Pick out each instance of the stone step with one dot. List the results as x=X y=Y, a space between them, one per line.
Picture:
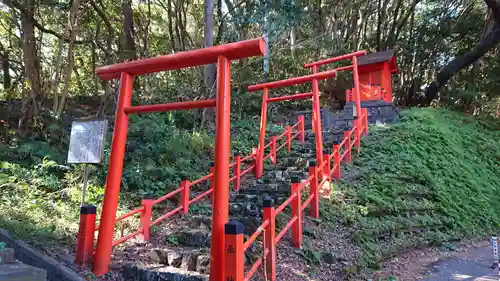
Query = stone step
x=21 y=272
x=165 y=273
x=185 y=259
x=7 y=255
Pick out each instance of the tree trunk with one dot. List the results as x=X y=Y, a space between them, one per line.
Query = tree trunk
x=6 y=70
x=109 y=58
x=458 y=63
x=209 y=72
x=33 y=103
x=71 y=33
x=171 y=26
x=209 y=41
x=128 y=51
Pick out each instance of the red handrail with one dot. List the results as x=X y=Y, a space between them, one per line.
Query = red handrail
x=167 y=215
x=254 y=236
x=247 y=170
x=200 y=196
x=255 y=266
x=127 y=237
x=204 y=178
x=168 y=195
x=285 y=204
x=307 y=202
x=285 y=229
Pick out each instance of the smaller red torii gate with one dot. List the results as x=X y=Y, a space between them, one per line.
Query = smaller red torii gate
x=314 y=78
x=259 y=165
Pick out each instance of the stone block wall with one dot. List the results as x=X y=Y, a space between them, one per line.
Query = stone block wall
x=334 y=122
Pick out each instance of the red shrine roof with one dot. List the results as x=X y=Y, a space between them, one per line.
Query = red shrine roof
x=380 y=57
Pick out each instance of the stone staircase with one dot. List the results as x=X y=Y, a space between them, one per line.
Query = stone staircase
x=189 y=259
x=184 y=253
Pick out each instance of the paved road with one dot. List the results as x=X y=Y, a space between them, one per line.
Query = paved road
x=473 y=265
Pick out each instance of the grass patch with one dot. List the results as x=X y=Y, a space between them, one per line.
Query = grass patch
x=40 y=195
x=432 y=178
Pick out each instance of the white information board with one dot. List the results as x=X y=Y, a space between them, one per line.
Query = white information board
x=86 y=144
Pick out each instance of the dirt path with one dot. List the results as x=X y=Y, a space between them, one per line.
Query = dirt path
x=473 y=264
x=471 y=261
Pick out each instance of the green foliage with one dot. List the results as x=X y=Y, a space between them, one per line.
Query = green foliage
x=430 y=179
x=309 y=253
x=34 y=179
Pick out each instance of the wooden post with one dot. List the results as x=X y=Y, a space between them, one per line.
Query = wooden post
x=313 y=190
x=336 y=159
x=145 y=221
x=237 y=171
x=85 y=246
x=234 y=253
x=255 y=158
x=347 y=145
x=212 y=181
x=301 y=129
x=296 y=212
x=365 y=111
x=185 y=194
x=273 y=149
x=326 y=167
x=357 y=121
x=270 y=236
x=289 y=137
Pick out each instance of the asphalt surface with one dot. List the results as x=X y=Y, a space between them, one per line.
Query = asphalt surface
x=473 y=265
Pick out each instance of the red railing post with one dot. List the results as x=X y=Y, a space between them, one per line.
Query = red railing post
x=273 y=149
x=357 y=121
x=212 y=181
x=348 y=145
x=301 y=129
x=270 y=235
x=296 y=212
x=113 y=179
x=313 y=190
x=326 y=167
x=259 y=163
x=85 y=246
x=145 y=221
x=234 y=252
x=237 y=171
x=336 y=159
x=255 y=152
x=365 y=119
x=185 y=194
x=289 y=137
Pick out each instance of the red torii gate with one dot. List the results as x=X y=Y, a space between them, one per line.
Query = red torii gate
x=222 y=55
x=259 y=165
x=314 y=78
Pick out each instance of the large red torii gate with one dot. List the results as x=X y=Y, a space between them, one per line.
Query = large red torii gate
x=222 y=55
